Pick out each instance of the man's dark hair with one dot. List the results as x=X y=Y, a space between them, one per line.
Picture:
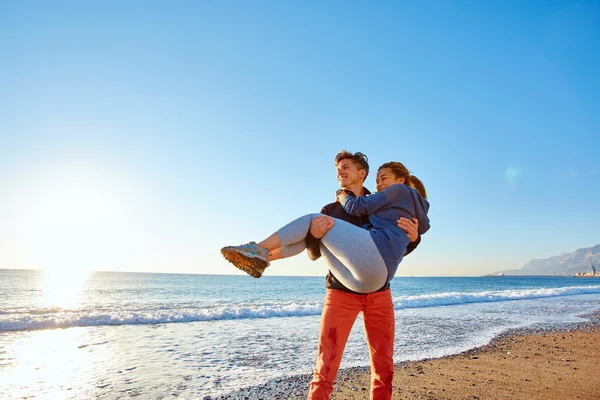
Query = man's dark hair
x=361 y=160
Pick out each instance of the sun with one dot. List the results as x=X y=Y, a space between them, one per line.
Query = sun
x=76 y=224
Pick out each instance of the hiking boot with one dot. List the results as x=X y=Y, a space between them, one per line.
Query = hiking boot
x=250 y=258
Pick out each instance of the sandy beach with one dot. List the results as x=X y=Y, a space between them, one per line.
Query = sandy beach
x=557 y=363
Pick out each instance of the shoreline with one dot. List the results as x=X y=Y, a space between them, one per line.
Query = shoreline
x=536 y=362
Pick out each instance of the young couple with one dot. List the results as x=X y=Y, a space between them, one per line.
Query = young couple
x=362 y=246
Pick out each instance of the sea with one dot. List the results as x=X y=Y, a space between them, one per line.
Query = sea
x=112 y=335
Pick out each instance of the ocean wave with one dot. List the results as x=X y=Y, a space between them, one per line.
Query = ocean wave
x=156 y=315
x=457 y=298
x=10 y=320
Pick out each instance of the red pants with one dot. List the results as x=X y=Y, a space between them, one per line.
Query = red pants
x=339 y=313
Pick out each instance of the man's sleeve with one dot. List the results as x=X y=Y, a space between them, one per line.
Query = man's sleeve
x=312 y=243
x=412 y=245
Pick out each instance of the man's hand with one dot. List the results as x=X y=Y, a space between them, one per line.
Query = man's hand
x=320 y=226
x=411 y=228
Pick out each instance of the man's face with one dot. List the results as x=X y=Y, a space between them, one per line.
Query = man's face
x=348 y=173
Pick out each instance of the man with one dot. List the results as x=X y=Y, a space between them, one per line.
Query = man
x=342 y=305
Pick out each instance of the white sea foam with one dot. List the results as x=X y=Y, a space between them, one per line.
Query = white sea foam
x=457 y=298
x=36 y=319
x=17 y=320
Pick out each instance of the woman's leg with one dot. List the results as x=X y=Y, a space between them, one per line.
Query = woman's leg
x=287 y=251
x=288 y=241
x=352 y=254
x=290 y=246
x=291 y=234
x=354 y=258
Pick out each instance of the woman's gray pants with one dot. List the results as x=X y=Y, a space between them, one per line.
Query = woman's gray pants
x=349 y=250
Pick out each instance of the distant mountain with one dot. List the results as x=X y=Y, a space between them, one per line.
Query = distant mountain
x=565 y=264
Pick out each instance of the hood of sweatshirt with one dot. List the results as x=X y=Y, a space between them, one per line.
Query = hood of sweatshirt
x=421 y=210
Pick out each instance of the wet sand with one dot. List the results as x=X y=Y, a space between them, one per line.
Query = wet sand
x=536 y=363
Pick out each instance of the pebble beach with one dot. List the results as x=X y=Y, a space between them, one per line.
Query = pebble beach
x=557 y=362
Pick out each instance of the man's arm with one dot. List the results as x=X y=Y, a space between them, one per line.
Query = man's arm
x=412 y=230
x=412 y=245
x=312 y=241
x=312 y=247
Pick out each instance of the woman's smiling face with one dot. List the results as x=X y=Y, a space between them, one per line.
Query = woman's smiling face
x=386 y=177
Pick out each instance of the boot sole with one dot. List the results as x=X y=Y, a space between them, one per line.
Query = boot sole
x=250 y=265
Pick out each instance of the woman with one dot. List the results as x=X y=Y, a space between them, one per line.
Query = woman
x=362 y=258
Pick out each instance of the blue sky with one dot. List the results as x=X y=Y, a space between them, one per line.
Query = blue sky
x=144 y=136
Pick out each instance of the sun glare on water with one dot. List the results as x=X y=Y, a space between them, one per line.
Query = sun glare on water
x=49 y=365
x=64 y=289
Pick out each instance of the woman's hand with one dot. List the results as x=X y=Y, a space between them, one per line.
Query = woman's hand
x=341 y=195
x=411 y=228
x=320 y=226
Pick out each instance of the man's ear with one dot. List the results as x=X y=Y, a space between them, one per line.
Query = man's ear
x=363 y=174
x=402 y=179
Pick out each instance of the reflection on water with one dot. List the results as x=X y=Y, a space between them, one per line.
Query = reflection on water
x=48 y=363
x=64 y=289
